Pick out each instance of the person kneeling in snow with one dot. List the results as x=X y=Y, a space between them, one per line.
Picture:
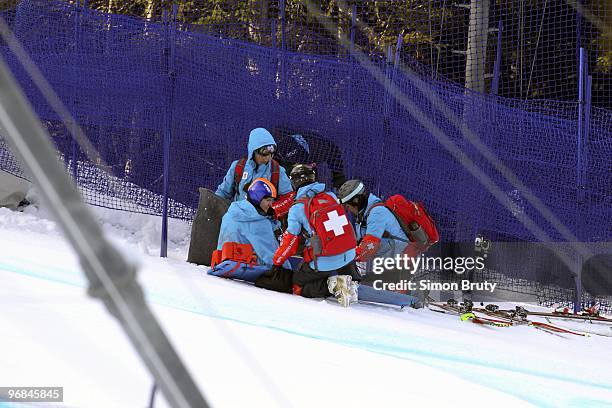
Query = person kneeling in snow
x=329 y=250
x=387 y=229
x=247 y=239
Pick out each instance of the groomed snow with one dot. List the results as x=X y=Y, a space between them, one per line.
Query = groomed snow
x=250 y=347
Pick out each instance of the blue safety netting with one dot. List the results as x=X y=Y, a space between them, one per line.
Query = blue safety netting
x=130 y=82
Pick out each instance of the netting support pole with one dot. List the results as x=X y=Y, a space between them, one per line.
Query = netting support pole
x=391 y=71
x=386 y=129
x=578 y=31
x=163 y=248
x=169 y=50
x=440 y=40
x=587 y=112
x=587 y=132
x=580 y=157
x=497 y=65
x=467 y=227
x=581 y=125
x=398 y=54
x=73 y=131
x=387 y=100
x=477 y=45
x=74 y=166
x=396 y=62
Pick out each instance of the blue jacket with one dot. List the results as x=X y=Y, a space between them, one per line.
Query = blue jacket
x=297 y=221
x=244 y=225
x=379 y=220
x=258 y=138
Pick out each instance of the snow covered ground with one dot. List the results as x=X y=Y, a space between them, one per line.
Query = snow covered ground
x=246 y=346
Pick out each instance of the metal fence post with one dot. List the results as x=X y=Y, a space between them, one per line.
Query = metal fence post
x=398 y=53
x=388 y=66
x=169 y=50
x=74 y=144
x=581 y=122
x=580 y=162
x=497 y=65
x=476 y=53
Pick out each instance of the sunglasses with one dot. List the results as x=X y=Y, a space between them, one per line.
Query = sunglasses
x=266 y=150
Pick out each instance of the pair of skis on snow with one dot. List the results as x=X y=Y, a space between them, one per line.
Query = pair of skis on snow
x=590 y=320
x=466 y=313
x=520 y=316
x=591 y=315
x=499 y=318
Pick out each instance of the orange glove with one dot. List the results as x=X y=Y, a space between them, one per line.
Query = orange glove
x=282 y=204
x=288 y=247
x=367 y=248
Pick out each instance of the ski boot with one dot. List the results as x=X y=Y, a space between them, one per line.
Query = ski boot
x=340 y=287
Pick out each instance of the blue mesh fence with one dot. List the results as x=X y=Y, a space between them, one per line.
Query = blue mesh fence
x=207 y=81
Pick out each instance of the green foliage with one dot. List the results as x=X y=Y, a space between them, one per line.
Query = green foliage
x=604 y=63
x=140 y=8
x=8 y=4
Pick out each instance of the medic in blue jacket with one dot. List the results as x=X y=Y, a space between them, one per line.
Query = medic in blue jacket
x=329 y=247
x=258 y=164
x=378 y=230
x=249 y=224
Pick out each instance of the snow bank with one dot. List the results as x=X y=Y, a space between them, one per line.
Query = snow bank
x=245 y=345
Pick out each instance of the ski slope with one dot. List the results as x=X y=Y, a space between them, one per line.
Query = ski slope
x=247 y=346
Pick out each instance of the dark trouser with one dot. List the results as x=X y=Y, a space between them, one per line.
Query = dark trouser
x=312 y=284
x=279 y=280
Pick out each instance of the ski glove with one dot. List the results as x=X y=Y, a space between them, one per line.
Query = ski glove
x=367 y=248
x=288 y=247
x=282 y=205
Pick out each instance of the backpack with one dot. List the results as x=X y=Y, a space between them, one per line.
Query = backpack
x=239 y=170
x=333 y=234
x=411 y=215
x=233 y=251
